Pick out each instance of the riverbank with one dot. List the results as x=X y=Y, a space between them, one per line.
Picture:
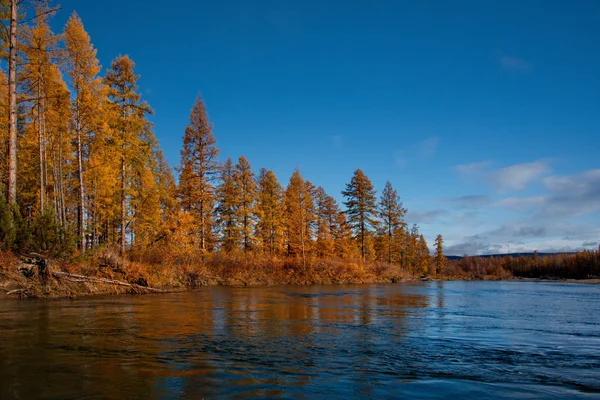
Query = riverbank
x=591 y=281
x=104 y=273
x=36 y=277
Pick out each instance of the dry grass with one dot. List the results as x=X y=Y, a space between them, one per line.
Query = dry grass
x=175 y=271
x=190 y=271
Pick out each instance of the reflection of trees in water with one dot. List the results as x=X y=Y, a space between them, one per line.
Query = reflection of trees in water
x=440 y=292
x=217 y=341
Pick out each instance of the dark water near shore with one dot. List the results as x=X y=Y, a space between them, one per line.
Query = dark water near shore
x=433 y=340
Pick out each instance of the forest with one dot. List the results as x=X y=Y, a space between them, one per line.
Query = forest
x=86 y=185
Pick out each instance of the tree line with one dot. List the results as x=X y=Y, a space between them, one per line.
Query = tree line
x=580 y=265
x=84 y=170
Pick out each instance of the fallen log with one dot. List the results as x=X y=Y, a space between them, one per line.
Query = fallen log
x=20 y=292
x=92 y=279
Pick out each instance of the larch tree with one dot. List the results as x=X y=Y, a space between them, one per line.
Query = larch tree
x=128 y=120
x=247 y=189
x=423 y=256
x=269 y=212
x=58 y=112
x=411 y=245
x=228 y=203
x=36 y=82
x=11 y=38
x=89 y=95
x=344 y=244
x=3 y=132
x=440 y=259
x=361 y=208
x=199 y=168
x=391 y=214
x=146 y=195
x=299 y=216
x=327 y=212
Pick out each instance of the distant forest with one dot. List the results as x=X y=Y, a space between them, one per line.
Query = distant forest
x=85 y=179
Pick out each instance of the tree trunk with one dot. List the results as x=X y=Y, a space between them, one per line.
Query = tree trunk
x=40 y=139
x=63 y=212
x=202 y=243
x=12 y=106
x=80 y=206
x=122 y=204
x=302 y=230
x=389 y=244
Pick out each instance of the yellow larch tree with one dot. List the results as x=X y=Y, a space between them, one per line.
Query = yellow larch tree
x=269 y=213
x=246 y=188
x=198 y=170
x=361 y=210
x=228 y=203
x=128 y=121
x=326 y=226
x=89 y=95
x=299 y=209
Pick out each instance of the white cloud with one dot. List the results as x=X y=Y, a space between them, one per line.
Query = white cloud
x=515 y=237
x=513 y=177
x=569 y=196
x=516 y=177
x=521 y=203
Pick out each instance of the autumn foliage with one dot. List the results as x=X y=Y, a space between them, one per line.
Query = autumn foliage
x=93 y=188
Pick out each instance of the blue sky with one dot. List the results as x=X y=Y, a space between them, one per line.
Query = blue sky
x=484 y=115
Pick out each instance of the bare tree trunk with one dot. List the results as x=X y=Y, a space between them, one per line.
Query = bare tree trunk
x=12 y=106
x=132 y=231
x=122 y=204
x=45 y=153
x=63 y=211
x=80 y=206
x=362 y=240
x=302 y=227
x=202 y=232
x=389 y=244
x=40 y=139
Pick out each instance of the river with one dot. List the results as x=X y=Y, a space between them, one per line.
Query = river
x=428 y=340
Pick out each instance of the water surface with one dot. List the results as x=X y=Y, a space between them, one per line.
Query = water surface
x=432 y=340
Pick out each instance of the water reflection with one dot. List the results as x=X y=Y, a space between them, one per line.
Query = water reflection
x=321 y=341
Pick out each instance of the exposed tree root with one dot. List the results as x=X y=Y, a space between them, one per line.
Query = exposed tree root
x=135 y=288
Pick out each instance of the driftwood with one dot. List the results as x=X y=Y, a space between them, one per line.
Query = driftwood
x=36 y=266
x=20 y=292
x=92 y=279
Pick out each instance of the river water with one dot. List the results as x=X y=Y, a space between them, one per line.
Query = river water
x=431 y=340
